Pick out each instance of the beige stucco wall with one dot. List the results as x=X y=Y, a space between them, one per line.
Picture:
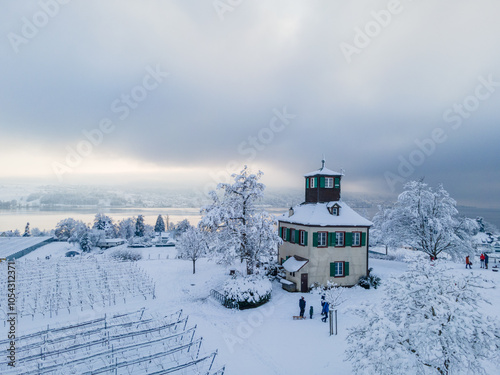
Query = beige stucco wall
x=318 y=268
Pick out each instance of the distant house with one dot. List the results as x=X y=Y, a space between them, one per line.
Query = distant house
x=323 y=238
x=164 y=240
x=496 y=247
x=106 y=243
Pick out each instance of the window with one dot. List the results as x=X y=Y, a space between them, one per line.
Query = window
x=312 y=182
x=322 y=236
x=302 y=237
x=339 y=269
x=335 y=211
x=292 y=235
x=283 y=233
x=329 y=182
x=339 y=238
x=356 y=239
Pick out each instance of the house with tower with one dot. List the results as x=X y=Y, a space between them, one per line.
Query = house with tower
x=323 y=238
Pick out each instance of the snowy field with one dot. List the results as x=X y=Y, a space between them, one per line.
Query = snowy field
x=265 y=340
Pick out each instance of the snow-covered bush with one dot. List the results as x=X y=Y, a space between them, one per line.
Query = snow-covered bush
x=126 y=254
x=370 y=281
x=248 y=292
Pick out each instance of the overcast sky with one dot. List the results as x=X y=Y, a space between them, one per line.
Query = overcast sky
x=173 y=91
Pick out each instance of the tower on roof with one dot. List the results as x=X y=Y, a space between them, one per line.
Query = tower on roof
x=322 y=185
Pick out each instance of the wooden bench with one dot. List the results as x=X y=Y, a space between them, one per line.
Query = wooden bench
x=298 y=317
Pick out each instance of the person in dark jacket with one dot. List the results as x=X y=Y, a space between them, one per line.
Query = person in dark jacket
x=486 y=259
x=302 y=305
x=326 y=308
x=311 y=312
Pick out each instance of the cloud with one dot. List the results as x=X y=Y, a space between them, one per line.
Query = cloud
x=227 y=77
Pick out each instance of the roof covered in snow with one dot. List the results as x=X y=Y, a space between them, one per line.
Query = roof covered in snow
x=323 y=172
x=293 y=264
x=318 y=214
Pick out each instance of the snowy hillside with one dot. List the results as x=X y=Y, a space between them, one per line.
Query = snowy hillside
x=265 y=340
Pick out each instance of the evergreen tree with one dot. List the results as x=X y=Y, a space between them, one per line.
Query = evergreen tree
x=139 y=226
x=86 y=243
x=160 y=225
x=105 y=223
x=27 y=230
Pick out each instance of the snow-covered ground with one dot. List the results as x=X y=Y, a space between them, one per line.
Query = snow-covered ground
x=265 y=340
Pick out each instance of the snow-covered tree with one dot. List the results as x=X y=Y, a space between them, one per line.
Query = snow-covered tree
x=239 y=230
x=181 y=227
x=106 y=224
x=27 y=230
x=427 y=220
x=332 y=292
x=67 y=227
x=160 y=225
x=126 y=228
x=139 y=226
x=191 y=245
x=430 y=321
x=86 y=243
x=381 y=232
x=78 y=232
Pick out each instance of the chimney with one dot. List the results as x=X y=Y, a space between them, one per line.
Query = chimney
x=290 y=211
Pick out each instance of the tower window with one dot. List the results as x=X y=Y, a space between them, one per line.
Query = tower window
x=329 y=182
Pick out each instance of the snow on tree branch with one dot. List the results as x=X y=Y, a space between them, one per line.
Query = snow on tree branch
x=430 y=322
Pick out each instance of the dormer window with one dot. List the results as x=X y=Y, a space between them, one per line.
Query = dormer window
x=334 y=210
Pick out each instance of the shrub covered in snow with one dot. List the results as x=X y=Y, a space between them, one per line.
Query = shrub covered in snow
x=248 y=292
x=370 y=281
x=126 y=254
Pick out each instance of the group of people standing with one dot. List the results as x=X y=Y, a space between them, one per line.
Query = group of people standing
x=325 y=307
x=483 y=258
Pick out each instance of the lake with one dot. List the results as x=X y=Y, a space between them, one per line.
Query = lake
x=46 y=219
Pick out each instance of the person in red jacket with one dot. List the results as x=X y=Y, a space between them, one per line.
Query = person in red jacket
x=481 y=258
x=468 y=262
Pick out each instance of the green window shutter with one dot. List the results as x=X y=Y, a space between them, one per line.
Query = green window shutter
x=305 y=238
x=288 y=234
x=346 y=269
x=315 y=239
x=321 y=182
x=348 y=239
x=297 y=236
x=307 y=182
x=332 y=269
x=331 y=239
x=337 y=182
x=315 y=182
x=363 y=239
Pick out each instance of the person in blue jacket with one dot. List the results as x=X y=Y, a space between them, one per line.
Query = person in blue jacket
x=326 y=308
